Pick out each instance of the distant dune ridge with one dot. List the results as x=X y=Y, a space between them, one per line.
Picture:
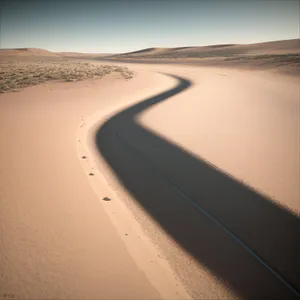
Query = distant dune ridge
x=274 y=47
x=280 y=56
x=148 y=50
x=27 y=52
x=83 y=55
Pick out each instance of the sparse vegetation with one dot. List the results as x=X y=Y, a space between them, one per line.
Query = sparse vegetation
x=285 y=58
x=17 y=74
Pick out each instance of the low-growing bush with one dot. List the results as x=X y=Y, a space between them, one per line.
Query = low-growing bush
x=19 y=74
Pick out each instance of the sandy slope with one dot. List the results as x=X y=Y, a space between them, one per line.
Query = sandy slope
x=279 y=56
x=275 y=47
x=57 y=241
x=27 y=52
x=223 y=140
x=80 y=55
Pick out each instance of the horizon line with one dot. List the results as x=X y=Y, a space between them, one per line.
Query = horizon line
x=157 y=47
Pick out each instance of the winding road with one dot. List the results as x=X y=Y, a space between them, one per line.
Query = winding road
x=247 y=240
x=202 y=167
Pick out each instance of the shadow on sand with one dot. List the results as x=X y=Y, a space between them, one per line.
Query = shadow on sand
x=173 y=186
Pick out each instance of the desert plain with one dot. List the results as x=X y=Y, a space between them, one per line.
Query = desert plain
x=157 y=174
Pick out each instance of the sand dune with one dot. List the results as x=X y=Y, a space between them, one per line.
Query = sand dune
x=36 y=52
x=222 y=50
x=81 y=55
x=146 y=51
x=276 y=47
x=285 y=46
x=26 y=52
x=278 y=56
x=282 y=56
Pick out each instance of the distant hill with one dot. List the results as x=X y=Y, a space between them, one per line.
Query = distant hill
x=37 y=52
x=148 y=51
x=226 y=50
x=229 y=51
x=27 y=52
x=78 y=54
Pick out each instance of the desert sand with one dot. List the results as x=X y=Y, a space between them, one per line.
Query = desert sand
x=27 y=52
x=274 y=47
x=180 y=183
x=276 y=56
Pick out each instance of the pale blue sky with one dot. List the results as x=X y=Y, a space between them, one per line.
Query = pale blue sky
x=126 y=25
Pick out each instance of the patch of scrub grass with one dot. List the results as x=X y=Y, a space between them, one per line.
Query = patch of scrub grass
x=16 y=74
x=272 y=58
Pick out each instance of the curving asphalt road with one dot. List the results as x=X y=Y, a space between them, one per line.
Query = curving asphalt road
x=244 y=239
